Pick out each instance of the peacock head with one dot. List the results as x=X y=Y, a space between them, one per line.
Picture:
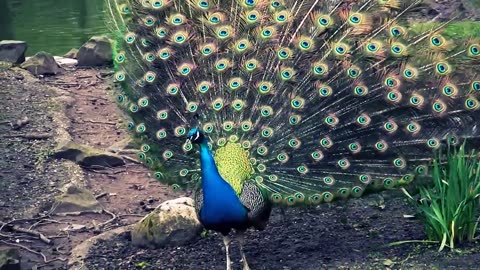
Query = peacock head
x=195 y=136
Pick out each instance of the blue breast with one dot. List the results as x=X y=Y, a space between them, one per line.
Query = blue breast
x=222 y=209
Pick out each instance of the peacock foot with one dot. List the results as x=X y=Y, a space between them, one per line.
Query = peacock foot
x=245 y=265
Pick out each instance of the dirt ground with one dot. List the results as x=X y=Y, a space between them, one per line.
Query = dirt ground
x=77 y=106
x=349 y=236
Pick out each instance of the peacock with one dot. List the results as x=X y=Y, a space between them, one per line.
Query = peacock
x=261 y=103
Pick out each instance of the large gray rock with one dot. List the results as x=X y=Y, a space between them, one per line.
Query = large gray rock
x=42 y=63
x=9 y=259
x=96 y=52
x=76 y=200
x=13 y=51
x=87 y=156
x=172 y=223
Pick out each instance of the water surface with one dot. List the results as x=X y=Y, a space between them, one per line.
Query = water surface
x=54 y=26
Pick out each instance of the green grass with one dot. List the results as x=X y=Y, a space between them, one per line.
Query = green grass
x=449 y=207
x=454 y=30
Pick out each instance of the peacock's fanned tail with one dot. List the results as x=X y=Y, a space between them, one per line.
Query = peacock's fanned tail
x=328 y=98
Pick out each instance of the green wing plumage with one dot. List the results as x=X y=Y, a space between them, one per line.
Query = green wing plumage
x=327 y=98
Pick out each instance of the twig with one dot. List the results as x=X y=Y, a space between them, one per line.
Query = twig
x=26 y=248
x=79 y=213
x=4 y=122
x=124 y=151
x=17 y=228
x=131 y=159
x=131 y=215
x=114 y=217
x=100 y=122
x=6 y=235
x=44 y=222
x=101 y=195
x=65 y=253
x=30 y=136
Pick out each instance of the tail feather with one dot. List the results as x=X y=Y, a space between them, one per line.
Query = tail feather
x=329 y=98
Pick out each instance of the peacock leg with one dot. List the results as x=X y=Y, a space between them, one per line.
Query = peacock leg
x=226 y=241
x=241 y=240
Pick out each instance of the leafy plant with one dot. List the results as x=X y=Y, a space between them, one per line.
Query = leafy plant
x=454 y=30
x=450 y=206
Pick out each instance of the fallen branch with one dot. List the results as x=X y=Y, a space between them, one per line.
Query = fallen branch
x=17 y=228
x=34 y=252
x=101 y=195
x=79 y=213
x=114 y=217
x=131 y=159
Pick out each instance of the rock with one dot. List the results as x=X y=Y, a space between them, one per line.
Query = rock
x=87 y=156
x=72 y=53
x=62 y=61
x=173 y=222
x=124 y=145
x=13 y=51
x=96 y=52
x=42 y=63
x=9 y=259
x=76 y=200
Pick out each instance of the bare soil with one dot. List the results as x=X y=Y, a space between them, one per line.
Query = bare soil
x=75 y=106
x=353 y=235
x=78 y=106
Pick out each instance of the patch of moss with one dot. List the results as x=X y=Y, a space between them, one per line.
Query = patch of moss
x=454 y=30
x=147 y=226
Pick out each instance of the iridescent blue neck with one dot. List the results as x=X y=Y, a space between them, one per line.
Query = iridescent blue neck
x=221 y=205
x=210 y=173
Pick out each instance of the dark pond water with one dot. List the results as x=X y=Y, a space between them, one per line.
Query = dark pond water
x=54 y=26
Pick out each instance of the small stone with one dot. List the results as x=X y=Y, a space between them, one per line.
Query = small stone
x=13 y=51
x=42 y=63
x=96 y=52
x=63 y=61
